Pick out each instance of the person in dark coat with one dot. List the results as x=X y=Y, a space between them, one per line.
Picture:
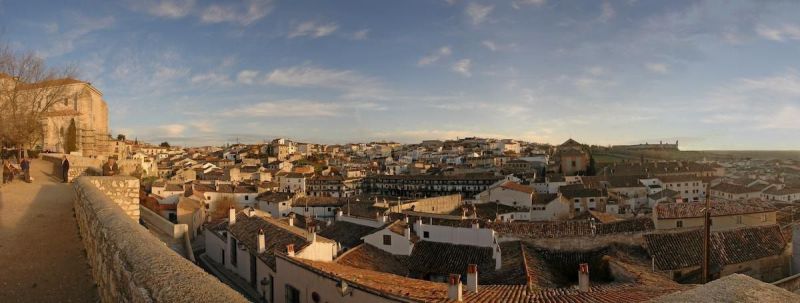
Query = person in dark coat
x=111 y=168
x=65 y=169
x=26 y=169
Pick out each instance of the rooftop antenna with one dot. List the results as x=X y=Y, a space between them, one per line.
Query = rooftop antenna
x=707 y=234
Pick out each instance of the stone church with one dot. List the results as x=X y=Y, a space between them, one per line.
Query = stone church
x=82 y=103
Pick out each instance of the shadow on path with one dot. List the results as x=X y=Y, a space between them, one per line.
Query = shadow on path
x=42 y=258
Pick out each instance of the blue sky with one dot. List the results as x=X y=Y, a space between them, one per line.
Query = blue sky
x=712 y=74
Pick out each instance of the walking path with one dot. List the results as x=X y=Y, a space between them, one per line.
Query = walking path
x=42 y=257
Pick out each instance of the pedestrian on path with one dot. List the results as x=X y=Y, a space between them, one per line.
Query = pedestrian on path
x=8 y=171
x=5 y=170
x=26 y=169
x=65 y=169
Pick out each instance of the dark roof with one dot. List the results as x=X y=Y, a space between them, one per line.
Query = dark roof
x=570 y=193
x=277 y=236
x=684 y=249
x=444 y=258
x=733 y=188
x=366 y=256
x=671 y=210
x=274 y=197
x=346 y=233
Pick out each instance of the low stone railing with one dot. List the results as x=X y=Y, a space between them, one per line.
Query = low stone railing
x=79 y=166
x=129 y=264
x=791 y=283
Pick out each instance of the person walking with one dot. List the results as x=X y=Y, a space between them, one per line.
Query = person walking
x=3 y=171
x=8 y=171
x=26 y=169
x=65 y=169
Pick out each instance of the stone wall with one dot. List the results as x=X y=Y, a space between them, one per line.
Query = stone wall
x=78 y=165
x=791 y=283
x=123 y=191
x=129 y=264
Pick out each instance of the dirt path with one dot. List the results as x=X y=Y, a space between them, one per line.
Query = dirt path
x=42 y=258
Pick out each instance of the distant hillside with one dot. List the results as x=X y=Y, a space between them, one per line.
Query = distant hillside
x=610 y=156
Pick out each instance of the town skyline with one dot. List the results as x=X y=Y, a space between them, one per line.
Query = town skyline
x=713 y=75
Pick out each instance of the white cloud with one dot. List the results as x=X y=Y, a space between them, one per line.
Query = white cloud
x=607 y=13
x=172 y=130
x=251 y=11
x=596 y=71
x=203 y=126
x=312 y=29
x=759 y=103
x=490 y=45
x=517 y=4
x=477 y=12
x=79 y=27
x=247 y=76
x=440 y=53
x=211 y=79
x=658 y=68
x=297 y=108
x=782 y=33
x=352 y=83
x=463 y=67
x=167 y=8
x=361 y=34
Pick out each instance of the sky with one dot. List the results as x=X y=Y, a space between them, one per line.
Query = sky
x=709 y=74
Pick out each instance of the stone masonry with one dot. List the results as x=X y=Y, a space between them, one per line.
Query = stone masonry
x=124 y=191
x=128 y=264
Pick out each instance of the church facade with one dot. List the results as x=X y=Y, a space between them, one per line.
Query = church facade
x=83 y=104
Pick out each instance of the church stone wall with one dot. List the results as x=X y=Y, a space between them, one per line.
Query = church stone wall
x=129 y=264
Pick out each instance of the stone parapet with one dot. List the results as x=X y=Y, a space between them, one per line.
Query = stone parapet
x=128 y=263
x=79 y=166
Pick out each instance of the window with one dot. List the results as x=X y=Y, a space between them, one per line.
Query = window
x=292 y=294
x=426 y=235
x=574 y=164
x=591 y=199
x=246 y=197
x=387 y=240
x=679 y=224
x=208 y=197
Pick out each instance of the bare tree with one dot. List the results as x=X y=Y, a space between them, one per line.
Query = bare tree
x=28 y=90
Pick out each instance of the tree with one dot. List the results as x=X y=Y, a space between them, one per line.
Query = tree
x=29 y=89
x=592 y=169
x=71 y=140
x=164 y=144
x=120 y=137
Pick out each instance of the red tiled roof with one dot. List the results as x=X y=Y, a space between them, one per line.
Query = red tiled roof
x=684 y=249
x=671 y=210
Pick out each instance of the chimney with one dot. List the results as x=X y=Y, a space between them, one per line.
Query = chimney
x=262 y=242
x=291 y=219
x=312 y=237
x=583 y=277
x=405 y=219
x=472 y=278
x=454 y=288
x=290 y=250
x=475 y=224
x=384 y=218
x=231 y=216
x=407 y=232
